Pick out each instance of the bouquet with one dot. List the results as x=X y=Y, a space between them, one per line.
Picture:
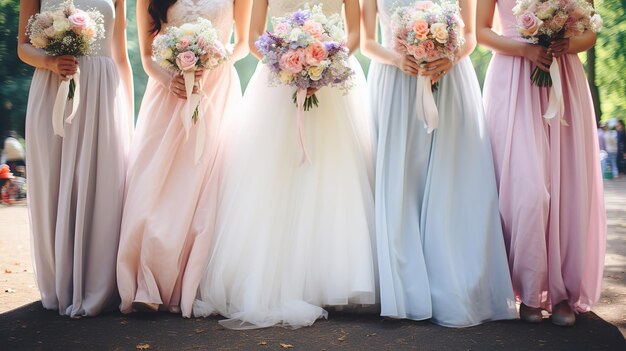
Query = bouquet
x=306 y=50
x=543 y=21
x=183 y=50
x=428 y=32
x=66 y=31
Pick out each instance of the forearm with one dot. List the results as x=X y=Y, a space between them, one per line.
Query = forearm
x=240 y=50
x=582 y=42
x=468 y=47
x=33 y=56
x=352 y=42
x=372 y=49
x=156 y=72
x=499 y=44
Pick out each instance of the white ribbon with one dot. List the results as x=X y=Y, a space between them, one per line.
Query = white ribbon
x=192 y=102
x=430 y=115
x=60 y=102
x=556 y=105
x=300 y=99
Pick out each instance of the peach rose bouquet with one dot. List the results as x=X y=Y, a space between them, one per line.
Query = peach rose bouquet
x=428 y=31
x=306 y=49
x=543 y=21
x=66 y=30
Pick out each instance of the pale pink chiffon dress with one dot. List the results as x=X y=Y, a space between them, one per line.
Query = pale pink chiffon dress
x=76 y=183
x=170 y=200
x=550 y=186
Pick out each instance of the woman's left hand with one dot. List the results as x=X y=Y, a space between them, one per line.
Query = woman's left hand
x=559 y=47
x=436 y=69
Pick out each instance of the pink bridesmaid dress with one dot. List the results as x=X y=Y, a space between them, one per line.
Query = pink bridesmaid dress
x=76 y=183
x=549 y=179
x=170 y=200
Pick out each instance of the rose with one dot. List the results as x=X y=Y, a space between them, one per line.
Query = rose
x=559 y=21
x=285 y=77
x=423 y=5
x=529 y=24
x=420 y=28
x=292 y=61
x=186 y=61
x=578 y=12
x=315 y=72
x=440 y=32
x=429 y=45
x=167 y=53
x=50 y=32
x=183 y=44
x=314 y=29
x=596 y=22
x=45 y=20
x=61 y=25
x=315 y=53
x=187 y=29
x=79 y=21
x=417 y=51
x=545 y=11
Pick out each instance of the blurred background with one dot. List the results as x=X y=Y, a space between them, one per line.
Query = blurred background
x=605 y=65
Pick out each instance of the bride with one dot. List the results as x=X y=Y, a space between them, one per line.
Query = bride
x=293 y=237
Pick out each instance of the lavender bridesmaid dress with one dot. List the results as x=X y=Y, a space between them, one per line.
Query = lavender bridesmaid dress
x=76 y=183
x=170 y=201
x=549 y=180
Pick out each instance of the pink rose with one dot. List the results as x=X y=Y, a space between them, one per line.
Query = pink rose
x=423 y=5
x=183 y=43
x=433 y=55
x=186 y=61
x=559 y=20
x=578 y=12
x=292 y=61
x=315 y=29
x=315 y=53
x=418 y=52
x=529 y=24
x=428 y=45
x=421 y=29
x=79 y=21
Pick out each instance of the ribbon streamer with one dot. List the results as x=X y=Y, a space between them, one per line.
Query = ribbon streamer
x=430 y=115
x=190 y=106
x=300 y=98
x=556 y=105
x=60 y=102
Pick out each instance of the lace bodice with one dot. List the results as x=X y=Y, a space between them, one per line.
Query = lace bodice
x=386 y=9
x=281 y=7
x=103 y=47
x=219 y=12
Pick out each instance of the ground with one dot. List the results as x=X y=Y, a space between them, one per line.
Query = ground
x=25 y=325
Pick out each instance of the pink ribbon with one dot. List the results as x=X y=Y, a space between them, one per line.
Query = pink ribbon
x=300 y=99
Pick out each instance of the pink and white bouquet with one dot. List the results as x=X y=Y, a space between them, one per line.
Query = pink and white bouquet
x=185 y=49
x=428 y=31
x=307 y=50
x=543 y=21
x=66 y=31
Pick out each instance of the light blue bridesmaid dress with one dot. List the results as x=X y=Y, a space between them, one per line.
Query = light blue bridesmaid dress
x=441 y=251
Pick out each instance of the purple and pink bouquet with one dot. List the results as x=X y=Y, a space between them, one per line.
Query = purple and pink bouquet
x=66 y=31
x=185 y=49
x=428 y=31
x=543 y=21
x=306 y=50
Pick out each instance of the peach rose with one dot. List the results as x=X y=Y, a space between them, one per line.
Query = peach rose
x=186 y=61
x=292 y=61
x=183 y=43
x=315 y=53
x=421 y=29
x=314 y=29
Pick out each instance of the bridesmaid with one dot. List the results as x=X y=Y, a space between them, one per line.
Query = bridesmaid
x=76 y=183
x=441 y=254
x=170 y=201
x=548 y=172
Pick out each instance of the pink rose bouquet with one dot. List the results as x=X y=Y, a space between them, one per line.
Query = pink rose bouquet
x=306 y=50
x=543 y=21
x=186 y=48
x=66 y=31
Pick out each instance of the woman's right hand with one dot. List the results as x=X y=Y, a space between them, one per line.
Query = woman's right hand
x=407 y=64
x=65 y=66
x=177 y=85
x=539 y=56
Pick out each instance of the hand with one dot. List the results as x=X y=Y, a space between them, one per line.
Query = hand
x=436 y=69
x=407 y=64
x=177 y=85
x=538 y=55
x=65 y=66
x=559 y=47
x=311 y=91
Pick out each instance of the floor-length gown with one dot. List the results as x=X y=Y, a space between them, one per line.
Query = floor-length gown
x=170 y=201
x=76 y=183
x=293 y=237
x=440 y=249
x=549 y=180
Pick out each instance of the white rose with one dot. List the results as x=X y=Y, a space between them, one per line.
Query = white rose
x=285 y=77
x=61 y=25
x=315 y=72
x=440 y=32
x=167 y=53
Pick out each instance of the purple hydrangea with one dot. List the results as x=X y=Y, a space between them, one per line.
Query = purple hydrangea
x=300 y=16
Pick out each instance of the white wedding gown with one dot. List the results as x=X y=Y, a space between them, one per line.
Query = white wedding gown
x=293 y=237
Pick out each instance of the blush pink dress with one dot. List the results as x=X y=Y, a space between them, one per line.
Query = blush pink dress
x=549 y=179
x=170 y=201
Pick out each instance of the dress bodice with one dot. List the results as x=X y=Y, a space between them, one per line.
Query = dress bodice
x=219 y=12
x=103 y=47
x=507 y=19
x=386 y=9
x=281 y=7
